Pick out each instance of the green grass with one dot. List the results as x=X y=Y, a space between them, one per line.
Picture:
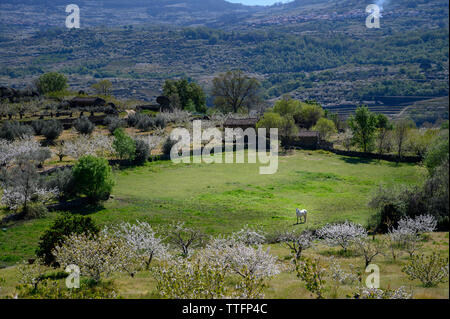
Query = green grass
x=221 y=198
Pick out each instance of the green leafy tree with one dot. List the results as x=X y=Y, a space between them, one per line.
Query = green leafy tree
x=325 y=127
x=308 y=114
x=363 y=125
x=103 y=87
x=270 y=120
x=185 y=94
x=93 y=178
x=124 y=145
x=51 y=82
x=63 y=226
x=437 y=154
x=286 y=106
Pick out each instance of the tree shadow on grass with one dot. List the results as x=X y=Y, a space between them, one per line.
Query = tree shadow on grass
x=78 y=206
x=339 y=253
x=357 y=160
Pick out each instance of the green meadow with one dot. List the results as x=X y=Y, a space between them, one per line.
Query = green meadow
x=221 y=198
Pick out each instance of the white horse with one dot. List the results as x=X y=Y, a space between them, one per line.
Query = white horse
x=302 y=213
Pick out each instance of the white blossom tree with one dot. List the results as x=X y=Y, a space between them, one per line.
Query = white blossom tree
x=97 y=256
x=419 y=225
x=143 y=240
x=341 y=234
x=253 y=265
x=249 y=236
x=297 y=242
x=21 y=183
x=82 y=145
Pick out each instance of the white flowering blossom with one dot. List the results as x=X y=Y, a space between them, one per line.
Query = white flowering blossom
x=341 y=234
x=407 y=235
x=82 y=145
x=420 y=224
x=14 y=197
x=340 y=276
x=253 y=265
x=177 y=116
x=153 y=141
x=143 y=240
x=249 y=236
x=374 y=293
x=24 y=148
x=97 y=256
x=297 y=242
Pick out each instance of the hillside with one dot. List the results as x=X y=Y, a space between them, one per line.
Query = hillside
x=308 y=49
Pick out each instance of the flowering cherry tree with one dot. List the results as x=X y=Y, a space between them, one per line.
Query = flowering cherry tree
x=143 y=240
x=249 y=236
x=341 y=234
x=297 y=242
x=420 y=224
x=21 y=183
x=407 y=235
x=97 y=256
x=82 y=145
x=253 y=265
x=26 y=148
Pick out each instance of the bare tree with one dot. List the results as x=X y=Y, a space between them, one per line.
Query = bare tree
x=401 y=133
x=234 y=91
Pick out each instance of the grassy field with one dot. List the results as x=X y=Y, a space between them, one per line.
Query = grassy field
x=221 y=198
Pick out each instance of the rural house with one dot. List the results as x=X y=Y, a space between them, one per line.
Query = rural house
x=240 y=123
x=87 y=101
x=309 y=140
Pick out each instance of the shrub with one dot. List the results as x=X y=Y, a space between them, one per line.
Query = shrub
x=63 y=180
x=124 y=145
x=35 y=210
x=84 y=126
x=142 y=151
x=113 y=123
x=374 y=293
x=167 y=146
x=64 y=225
x=145 y=123
x=313 y=274
x=430 y=270
x=93 y=178
x=132 y=119
x=13 y=130
x=52 y=130
x=51 y=289
x=38 y=126
x=160 y=121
